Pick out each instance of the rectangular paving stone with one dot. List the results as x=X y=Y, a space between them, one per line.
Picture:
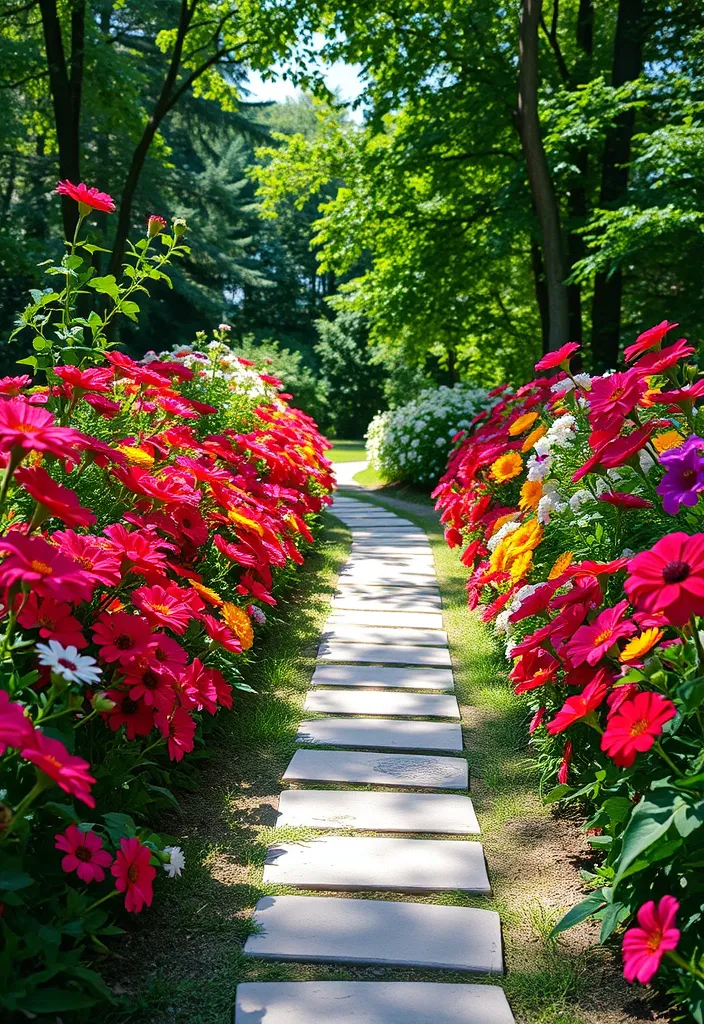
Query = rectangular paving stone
x=405 y=620
x=418 y=771
x=370 y=1002
x=386 y=600
x=371 y=702
x=389 y=579
x=349 y=634
x=364 y=864
x=373 y=547
x=385 y=654
x=327 y=929
x=349 y=588
x=381 y=734
x=369 y=567
x=368 y=811
x=381 y=676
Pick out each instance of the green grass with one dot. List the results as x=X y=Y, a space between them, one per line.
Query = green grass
x=181 y=962
x=369 y=478
x=347 y=451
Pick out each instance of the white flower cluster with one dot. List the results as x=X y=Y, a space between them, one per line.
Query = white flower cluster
x=220 y=362
x=413 y=442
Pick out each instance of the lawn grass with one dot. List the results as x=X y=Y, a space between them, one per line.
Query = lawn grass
x=347 y=451
x=182 y=963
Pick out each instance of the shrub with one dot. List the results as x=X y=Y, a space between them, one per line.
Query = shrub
x=150 y=512
x=411 y=443
x=566 y=498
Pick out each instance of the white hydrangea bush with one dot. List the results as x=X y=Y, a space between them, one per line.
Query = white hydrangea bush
x=412 y=443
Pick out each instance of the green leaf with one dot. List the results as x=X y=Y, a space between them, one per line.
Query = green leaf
x=65 y=811
x=106 y=285
x=617 y=808
x=557 y=794
x=73 y=262
x=11 y=881
x=611 y=916
x=40 y=344
x=119 y=826
x=689 y=818
x=130 y=309
x=56 y=1000
x=650 y=821
x=579 y=913
x=29 y=361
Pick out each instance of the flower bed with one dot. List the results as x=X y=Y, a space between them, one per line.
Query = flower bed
x=151 y=511
x=412 y=442
x=563 y=497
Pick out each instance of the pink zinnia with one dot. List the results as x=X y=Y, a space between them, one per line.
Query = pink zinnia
x=15 y=728
x=669 y=578
x=179 y=730
x=590 y=643
x=163 y=606
x=120 y=636
x=635 y=726
x=644 y=947
x=84 y=854
x=647 y=340
x=87 y=198
x=41 y=568
x=25 y=428
x=54 y=621
x=612 y=398
x=55 y=500
x=134 y=874
x=68 y=772
x=559 y=358
x=621 y=499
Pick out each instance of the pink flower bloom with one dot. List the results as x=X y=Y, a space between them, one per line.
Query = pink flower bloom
x=221 y=634
x=612 y=398
x=590 y=643
x=95 y=378
x=179 y=730
x=68 y=772
x=55 y=499
x=84 y=854
x=644 y=947
x=647 y=340
x=164 y=607
x=536 y=721
x=120 y=636
x=134 y=874
x=559 y=358
x=634 y=727
x=41 y=568
x=87 y=198
x=54 y=621
x=657 y=362
x=621 y=499
x=25 y=428
x=669 y=578
x=13 y=386
x=15 y=728
x=96 y=559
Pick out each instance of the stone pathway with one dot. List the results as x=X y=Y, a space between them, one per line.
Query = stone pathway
x=383 y=689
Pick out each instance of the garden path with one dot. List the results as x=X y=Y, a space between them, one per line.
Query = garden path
x=384 y=683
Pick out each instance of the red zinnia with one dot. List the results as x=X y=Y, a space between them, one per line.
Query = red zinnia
x=55 y=499
x=68 y=772
x=590 y=643
x=535 y=668
x=563 y=771
x=54 y=621
x=643 y=948
x=536 y=721
x=84 y=853
x=221 y=634
x=179 y=730
x=620 y=499
x=136 y=716
x=121 y=636
x=647 y=340
x=669 y=578
x=635 y=726
x=87 y=198
x=559 y=358
x=95 y=378
x=581 y=705
x=657 y=362
x=134 y=874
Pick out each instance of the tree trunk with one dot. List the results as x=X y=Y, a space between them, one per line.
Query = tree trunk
x=608 y=288
x=543 y=192
x=541 y=293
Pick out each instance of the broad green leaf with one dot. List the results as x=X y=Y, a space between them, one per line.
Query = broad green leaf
x=56 y=1000
x=579 y=913
x=106 y=285
x=11 y=881
x=649 y=822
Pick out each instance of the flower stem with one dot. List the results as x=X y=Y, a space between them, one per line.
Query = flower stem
x=668 y=760
x=21 y=810
x=102 y=899
x=681 y=962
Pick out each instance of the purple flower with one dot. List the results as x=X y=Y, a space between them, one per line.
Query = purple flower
x=684 y=477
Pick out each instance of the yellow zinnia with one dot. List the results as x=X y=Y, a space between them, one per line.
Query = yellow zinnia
x=561 y=565
x=521 y=566
x=238 y=621
x=237 y=517
x=534 y=436
x=506 y=467
x=501 y=521
x=670 y=439
x=522 y=423
x=641 y=644
x=206 y=592
x=136 y=456
x=531 y=493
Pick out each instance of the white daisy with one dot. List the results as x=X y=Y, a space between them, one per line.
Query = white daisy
x=68 y=663
x=177 y=862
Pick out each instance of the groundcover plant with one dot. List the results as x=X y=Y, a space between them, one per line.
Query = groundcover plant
x=577 y=502
x=412 y=442
x=150 y=511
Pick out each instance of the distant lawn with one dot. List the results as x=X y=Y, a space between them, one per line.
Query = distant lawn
x=347 y=451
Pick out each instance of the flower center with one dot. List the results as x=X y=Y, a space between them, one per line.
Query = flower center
x=40 y=567
x=129 y=706
x=65 y=663
x=150 y=680
x=639 y=727
x=689 y=476
x=162 y=609
x=132 y=873
x=676 y=572
x=618 y=393
x=53 y=761
x=654 y=941
x=161 y=654
x=123 y=642
x=83 y=853
x=602 y=637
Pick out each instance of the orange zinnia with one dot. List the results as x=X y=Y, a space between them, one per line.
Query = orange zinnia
x=531 y=493
x=641 y=644
x=534 y=436
x=561 y=565
x=506 y=467
x=670 y=439
x=238 y=621
x=522 y=423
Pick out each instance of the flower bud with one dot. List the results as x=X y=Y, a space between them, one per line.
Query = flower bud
x=101 y=702
x=180 y=226
x=155 y=225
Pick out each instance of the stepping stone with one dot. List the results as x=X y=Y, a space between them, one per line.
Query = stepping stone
x=409 y=620
x=439 y=813
x=370 y=567
x=349 y=634
x=381 y=734
x=326 y=929
x=370 y=1002
x=353 y=766
x=362 y=864
x=371 y=702
x=347 y=588
x=372 y=547
x=392 y=578
x=371 y=676
x=386 y=600
x=355 y=518
x=383 y=654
